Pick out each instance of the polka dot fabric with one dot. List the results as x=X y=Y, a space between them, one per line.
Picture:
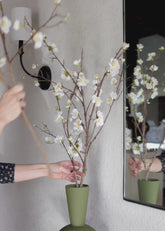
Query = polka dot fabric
x=7 y=173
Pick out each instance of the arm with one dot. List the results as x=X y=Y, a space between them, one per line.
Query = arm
x=29 y=172
x=60 y=170
x=10 y=173
x=136 y=165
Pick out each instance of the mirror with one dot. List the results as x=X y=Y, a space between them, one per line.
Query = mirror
x=143 y=28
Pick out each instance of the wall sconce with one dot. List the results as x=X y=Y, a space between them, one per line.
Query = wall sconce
x=23 y=34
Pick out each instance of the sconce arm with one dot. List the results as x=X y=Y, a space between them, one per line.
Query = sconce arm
x=21 y=60
x=44 y=74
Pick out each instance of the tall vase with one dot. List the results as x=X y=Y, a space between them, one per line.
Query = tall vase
x=77 y=200
x=148 y=190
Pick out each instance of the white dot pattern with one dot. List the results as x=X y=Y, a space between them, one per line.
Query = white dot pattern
x=7 y=173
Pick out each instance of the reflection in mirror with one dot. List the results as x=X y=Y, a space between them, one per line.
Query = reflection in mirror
x=144 y=154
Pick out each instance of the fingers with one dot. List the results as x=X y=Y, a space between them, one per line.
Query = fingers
x=71 y=171
x=22 y=104
x=16 y=94
x=77 y=164
x=72 y=178
x=135 y=166
x=17 y=88
x=20 y=95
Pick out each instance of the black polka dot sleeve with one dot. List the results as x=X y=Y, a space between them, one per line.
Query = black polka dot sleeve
x=7 y=173
x=162 y=160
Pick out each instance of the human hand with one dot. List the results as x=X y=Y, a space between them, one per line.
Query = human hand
x=11 y=104
x=64 y=170
x=135 y=166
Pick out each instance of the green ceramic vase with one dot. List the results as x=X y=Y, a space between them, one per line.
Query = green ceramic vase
x=77 y=200
x=148 y=190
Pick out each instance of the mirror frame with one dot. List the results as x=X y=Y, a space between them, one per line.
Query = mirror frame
x=124 y=121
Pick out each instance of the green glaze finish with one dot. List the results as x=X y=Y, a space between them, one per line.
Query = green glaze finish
x=74 y=228
x=148 y=190
x=77 y=199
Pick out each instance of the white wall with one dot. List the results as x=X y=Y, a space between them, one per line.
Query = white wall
x=40 y=204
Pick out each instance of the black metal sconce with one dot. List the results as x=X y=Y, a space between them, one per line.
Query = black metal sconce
x=44 y=74
x=20 y=13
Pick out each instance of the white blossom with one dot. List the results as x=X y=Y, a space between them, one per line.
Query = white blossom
x=139 y=117
x=71 y=139
x=140 y=61
x=154 y=93
x=100 y=119
x=114 y=67
x=140 y=100
x=153 y=68
x=74 y=113
x=132 y=97
x=82 y=81
x=154 y=81
x=113 y=95
x=161 y=48
x=36 y=83
x=78 y=128
x=149 y=85
x=49 y=140
x=74 y=74
x=2 y=62
x=96 y=100
x=137 y=72
x=137 y=148
x=139 y=138
x=109 y=100
x=52 y=47
x=38 y=40
x=126 y=46
x=136 y=82
x=96 y=80
x=58 y=91
x=151 y=56
x=34 y=66
x=65 y=75
x=58 y=139
x=128 y=143
x=140 y=92
x=145 y=79
x=139 y=46
x=77 y=62
x=5 y=24
x=122 y=60
x=59 y=116
x=57 y=2
x=113 y=81
x=73 y=152
x=79 y=144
